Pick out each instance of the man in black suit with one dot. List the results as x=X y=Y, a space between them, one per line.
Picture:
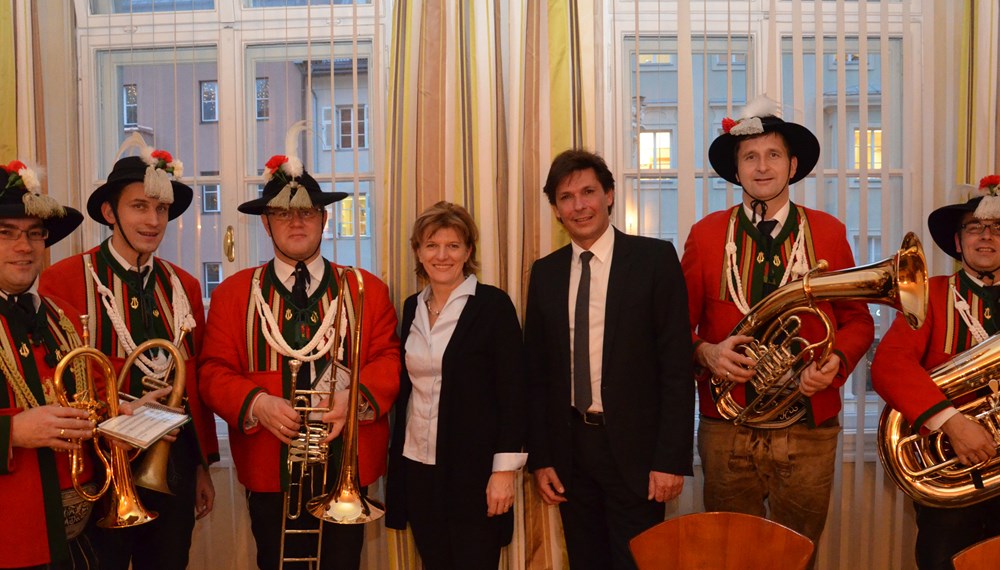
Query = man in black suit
x=612 y=417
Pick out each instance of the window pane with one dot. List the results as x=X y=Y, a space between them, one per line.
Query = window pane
x=140 y=6
x=130 y=103
x=263 y=99
x=209 y=101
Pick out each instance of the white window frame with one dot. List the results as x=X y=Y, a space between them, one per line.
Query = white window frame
x=126 y=105
x=363 y=131
x=214 y=116
x=209 y=285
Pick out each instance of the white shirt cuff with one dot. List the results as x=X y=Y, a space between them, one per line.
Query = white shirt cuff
x=509 y=461
x=937 y=420
x=250 y=421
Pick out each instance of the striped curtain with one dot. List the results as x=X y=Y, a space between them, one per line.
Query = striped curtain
x=979 y=123
x=8 y=78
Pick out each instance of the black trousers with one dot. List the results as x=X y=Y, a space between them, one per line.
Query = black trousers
x=943 y=533
x=81 y=557
x=444 y=541
x=601 y=514
x=341 y=543
x=165 y=542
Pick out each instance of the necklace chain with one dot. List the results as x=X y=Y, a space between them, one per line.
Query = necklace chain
x=431 y=309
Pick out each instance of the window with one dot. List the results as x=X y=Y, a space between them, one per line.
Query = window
x=212 y=276
x=130 y=105
x=346 y=127
x=210 y=195
x=736 y=61
x=873 y=146
x=263 y=99
x=345 y=217
x=209 y=101
x=326 y=128
x=654 y=150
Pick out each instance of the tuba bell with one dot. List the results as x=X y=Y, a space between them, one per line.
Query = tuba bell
x=924 y=466
x=344 y=504
x=125 y=508
x=899 y=281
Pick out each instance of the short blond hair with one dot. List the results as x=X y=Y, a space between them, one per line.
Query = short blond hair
x=446 y=215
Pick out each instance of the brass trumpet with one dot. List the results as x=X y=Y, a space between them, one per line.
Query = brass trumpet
x=152 y=471
x=125 y=510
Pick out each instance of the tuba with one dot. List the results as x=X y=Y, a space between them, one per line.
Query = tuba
x=152 y=471
x=344 y=504
x=125 y=509
x=924 y=466
x=773 y=397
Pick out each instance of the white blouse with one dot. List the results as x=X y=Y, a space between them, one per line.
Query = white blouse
x=425 y=348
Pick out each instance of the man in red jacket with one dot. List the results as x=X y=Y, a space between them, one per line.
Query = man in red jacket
x=732 y=260
x=263 y=318
x=963 y=311
x=133 y=296
x=43 y=514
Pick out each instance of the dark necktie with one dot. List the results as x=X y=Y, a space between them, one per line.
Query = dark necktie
x=765 y=227
x=582 y=397
x=23 y=309
x=299 y=296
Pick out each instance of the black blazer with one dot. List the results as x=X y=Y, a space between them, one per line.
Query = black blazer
x=482 y=410
x=647 y=385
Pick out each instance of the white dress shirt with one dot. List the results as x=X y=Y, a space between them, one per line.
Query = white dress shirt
x=35 y=299
x=600 y=272
x=286 y=273
x=425 y=347
x=129 y=265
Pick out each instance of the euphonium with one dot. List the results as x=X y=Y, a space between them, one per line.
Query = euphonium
x=152 y=471
x=924 y=466
x=126 y=509
x=899 y=281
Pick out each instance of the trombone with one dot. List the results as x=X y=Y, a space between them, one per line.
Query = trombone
x=344 y=504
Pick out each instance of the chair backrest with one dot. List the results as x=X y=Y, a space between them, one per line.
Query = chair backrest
x=979 y=556
x=723 y=541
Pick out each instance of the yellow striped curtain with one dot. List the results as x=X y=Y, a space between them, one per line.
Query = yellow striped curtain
x=979 y=121
x=8 y=78
x=464 y=128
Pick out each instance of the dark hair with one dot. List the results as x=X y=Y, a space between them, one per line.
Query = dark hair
x=446 y=215
x=575 y=160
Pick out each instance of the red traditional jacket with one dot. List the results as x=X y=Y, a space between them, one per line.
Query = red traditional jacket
x=32 y=527
x=72 y=280
x=237 y=364
x=714 y=314
x=899 y=370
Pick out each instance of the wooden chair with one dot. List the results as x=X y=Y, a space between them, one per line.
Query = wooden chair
x=979 y=556
x=722 y=541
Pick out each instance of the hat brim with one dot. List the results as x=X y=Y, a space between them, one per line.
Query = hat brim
x=802 y=144
x=258 y=207
x=183 y=195
x=943 y=224
x=58 y=226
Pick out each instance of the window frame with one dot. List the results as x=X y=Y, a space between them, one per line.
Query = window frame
x=201 y=97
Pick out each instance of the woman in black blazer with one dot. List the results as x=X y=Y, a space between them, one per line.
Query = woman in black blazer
x=460 y=418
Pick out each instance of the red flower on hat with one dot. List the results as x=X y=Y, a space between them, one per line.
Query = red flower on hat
x=276 y=161
x=727 y=124
x=990 y=183
x=14 y=166
x=162 y=155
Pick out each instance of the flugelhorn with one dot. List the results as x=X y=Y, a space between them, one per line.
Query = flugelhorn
x=924 y=465
x=125 y=508
x=899 y=281
x=152 y=470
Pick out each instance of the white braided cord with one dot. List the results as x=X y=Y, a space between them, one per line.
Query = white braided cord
x=317 y=347
x=975 y=327
x=798 y=264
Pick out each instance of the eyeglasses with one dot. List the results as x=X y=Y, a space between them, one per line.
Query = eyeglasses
x=977 y=228
x=14 y=234
x=306 y=214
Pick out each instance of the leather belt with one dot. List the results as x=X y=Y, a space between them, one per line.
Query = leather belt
x=589 y=418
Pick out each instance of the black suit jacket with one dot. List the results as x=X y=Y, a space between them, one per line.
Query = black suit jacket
x=482 y=407
x=647 y=384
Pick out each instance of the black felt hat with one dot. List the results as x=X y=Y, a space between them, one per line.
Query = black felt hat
x=289 y=186
x=802 y=144
x=131 y=169
x=20 y=198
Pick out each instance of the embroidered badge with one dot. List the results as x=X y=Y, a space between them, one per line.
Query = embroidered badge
x=314 y=317
x=776 y=261
x=134 y=303
x=760 y=257
x=24 y=351
x=156 y=313
x=288 y=314
x=987 y=313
